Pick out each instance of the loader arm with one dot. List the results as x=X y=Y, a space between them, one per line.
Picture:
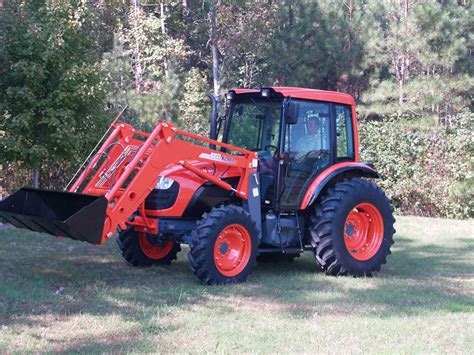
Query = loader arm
x=118 y=179
x=135 y=159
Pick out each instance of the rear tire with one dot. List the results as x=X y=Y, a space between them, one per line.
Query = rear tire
x=138 y=251
x=352 y=229
x=224 y=246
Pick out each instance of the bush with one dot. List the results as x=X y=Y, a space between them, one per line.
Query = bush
x=426 y=171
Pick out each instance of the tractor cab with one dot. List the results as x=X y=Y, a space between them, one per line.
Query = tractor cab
x=296 y=134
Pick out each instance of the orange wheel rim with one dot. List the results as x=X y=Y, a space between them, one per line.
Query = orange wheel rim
x=232 y=250
x=153 y=251
x=363 y=231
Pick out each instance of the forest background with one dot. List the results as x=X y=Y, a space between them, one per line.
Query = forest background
x=68 y=66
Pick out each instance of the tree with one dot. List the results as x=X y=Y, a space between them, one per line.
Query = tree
x=51 y=88
x=305 y=47
x=194 y=106
x=413 y=55
x=146 y=62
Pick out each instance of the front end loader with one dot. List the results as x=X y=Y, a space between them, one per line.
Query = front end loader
x=284 y=179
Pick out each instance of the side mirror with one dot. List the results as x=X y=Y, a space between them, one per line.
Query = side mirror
x=291 y=112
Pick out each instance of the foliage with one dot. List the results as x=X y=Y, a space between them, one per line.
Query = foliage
x=137 y=67
x=245 y=57
x=416 y=54
x=51 y=91
x=194 y=106
x=425 y=170
x=408 y=63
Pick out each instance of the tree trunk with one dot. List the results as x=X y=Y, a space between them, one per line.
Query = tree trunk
x=401 y=87
x=163 y=7
x=138 y=68
x=290 y=14
x=350 y=11
x=215 y=52
x=36 y=177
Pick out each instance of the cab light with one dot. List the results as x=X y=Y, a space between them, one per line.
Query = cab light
x=266 y=93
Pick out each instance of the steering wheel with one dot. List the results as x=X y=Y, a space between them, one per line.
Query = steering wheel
x=271 y=146
x=313 y=155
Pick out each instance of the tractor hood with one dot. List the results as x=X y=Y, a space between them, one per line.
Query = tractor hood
x=188 y=183
x=178 y=173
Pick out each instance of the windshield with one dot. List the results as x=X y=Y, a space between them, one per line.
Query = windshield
x=254 y=124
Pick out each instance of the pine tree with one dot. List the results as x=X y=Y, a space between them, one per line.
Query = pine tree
x=412 y=54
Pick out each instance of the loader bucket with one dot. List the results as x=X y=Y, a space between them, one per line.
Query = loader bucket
x=62 y=214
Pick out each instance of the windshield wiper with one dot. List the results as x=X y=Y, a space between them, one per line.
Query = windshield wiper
x=260 y=108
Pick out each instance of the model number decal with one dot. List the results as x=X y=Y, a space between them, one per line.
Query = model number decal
x=216 y=157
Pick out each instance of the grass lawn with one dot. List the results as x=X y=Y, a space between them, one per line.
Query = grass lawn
x=61 y=295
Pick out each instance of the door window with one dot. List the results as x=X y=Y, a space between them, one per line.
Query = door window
x=308 y=146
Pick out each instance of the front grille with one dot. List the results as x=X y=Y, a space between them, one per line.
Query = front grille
x=162 y=199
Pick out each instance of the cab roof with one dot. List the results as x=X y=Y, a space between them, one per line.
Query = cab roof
x=302 y=93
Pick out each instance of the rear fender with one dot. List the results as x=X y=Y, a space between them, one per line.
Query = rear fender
x=334 y=172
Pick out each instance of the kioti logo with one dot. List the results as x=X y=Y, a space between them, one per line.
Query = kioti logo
x=208 y=169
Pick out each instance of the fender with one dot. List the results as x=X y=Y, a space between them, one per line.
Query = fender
x=318 y=184
x=208 y=196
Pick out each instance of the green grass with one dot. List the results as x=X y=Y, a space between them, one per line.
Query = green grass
x=61 y=295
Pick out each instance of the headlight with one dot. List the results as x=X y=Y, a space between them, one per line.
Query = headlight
x=164 y=183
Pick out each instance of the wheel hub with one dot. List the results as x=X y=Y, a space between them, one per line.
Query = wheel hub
x=223 y=248
x=350 y=230
x=232 y=250
x=153 y=249
x=363 y=231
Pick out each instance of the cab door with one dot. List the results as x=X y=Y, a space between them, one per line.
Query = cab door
x=309 y=150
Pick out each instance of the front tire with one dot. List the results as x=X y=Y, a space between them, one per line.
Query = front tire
x=352 y=229
x=138 y=250
x=224 y=246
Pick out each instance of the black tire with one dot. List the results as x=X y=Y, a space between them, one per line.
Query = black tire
x=131 y=249
x=328 y=228
x=276 y=257
x=202 y=259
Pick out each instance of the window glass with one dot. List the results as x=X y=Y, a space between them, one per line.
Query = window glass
x=344 y=138
x=254 y=124
x=311 y=132
x=244 y=128
x=308 y=145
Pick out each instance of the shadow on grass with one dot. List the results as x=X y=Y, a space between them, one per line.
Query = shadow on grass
x=44 y=277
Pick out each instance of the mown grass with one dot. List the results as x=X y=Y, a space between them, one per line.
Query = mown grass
x=61 y=295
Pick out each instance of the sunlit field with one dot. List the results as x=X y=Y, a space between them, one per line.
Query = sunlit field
x=61 y=295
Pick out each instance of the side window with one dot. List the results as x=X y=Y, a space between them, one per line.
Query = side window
x=311 y=132
x=344 y=136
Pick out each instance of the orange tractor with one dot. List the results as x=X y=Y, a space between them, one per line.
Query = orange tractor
x=283 y=178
